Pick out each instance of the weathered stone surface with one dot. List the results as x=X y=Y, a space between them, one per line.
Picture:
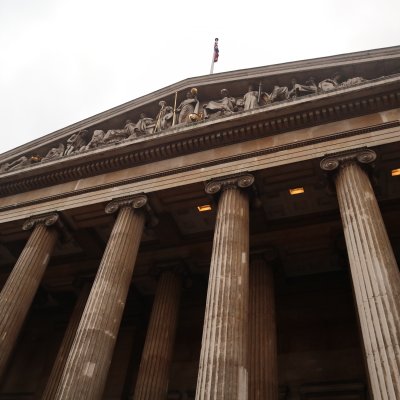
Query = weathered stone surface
x=263 y=363
x=61 y=359
x=375 y=274
x=88 y=362
x=20 y=289
x=223 y=360
x=152 y=381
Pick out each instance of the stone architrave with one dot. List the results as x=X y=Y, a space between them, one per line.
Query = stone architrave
x=375 y=275
x=263 y=359
x=65 y=347
x=86 y=369
x=152 y=381
x=19 y=291
x=223 y=359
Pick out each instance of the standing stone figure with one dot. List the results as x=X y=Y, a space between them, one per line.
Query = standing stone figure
x=164 y=117
x=76 y=142
x=250 y=99
x=188 y=106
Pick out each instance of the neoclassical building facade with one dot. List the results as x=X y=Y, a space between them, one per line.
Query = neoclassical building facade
x=232 y=236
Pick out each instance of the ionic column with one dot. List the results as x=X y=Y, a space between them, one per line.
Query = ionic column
x=223 y=359
x=375 y=275
x=21 y=286
x=152 y=381
x=263 y=363
x=61 y=359
x=86 y=369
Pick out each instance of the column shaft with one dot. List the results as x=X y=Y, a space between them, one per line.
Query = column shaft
x=20 y=289
x=152 y=381
x=223 y=359
x=263 y=363
x=86 y=369
x=61 y=359
x=376 y=279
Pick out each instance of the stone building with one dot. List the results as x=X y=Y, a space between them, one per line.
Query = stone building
x=231 y=236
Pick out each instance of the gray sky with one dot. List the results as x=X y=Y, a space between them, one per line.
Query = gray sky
x=63 y=61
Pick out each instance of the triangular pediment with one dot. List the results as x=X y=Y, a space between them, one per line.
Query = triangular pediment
x=279 y=91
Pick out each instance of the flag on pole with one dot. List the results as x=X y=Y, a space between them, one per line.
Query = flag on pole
x=216 y=50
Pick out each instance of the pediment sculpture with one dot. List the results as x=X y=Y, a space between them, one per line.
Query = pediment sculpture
x=188 y=111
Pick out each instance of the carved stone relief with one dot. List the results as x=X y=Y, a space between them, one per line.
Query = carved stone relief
x=188 y=111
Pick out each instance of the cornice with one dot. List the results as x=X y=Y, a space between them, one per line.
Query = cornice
x=264 y=121
x=238 y=157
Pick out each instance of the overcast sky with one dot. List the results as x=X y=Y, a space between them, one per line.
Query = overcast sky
x=65 y=60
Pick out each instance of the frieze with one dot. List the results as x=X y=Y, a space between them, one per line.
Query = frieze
x=190 y=110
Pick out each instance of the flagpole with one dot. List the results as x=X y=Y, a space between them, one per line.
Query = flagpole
x=212 y=64
x=215 y=55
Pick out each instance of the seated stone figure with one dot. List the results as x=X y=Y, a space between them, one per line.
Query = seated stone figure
x=352 y=81
x=301 y=90
x=279 y=93
x=330 y=83
x=53 y=153
x=219 y=108
x=115 y=135
x=130 y=128
x=96 y=141
x=144 y=125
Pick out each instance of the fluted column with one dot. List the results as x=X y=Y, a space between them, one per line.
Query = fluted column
x=375 y=275
x=21 y=286
x=263 y=363
x=61 y=359
x=223 y=359
x=86 y=369
x=152 y=381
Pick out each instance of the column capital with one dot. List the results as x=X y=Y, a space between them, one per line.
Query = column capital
x=242 y=181
x=47 y=219
x=137 y=201
x=335 y=160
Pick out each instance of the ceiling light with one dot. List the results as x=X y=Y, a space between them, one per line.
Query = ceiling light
x=396 y=172
x=205 y=207
x=298 y=190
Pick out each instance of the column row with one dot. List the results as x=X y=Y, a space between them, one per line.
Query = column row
x=238 y=352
